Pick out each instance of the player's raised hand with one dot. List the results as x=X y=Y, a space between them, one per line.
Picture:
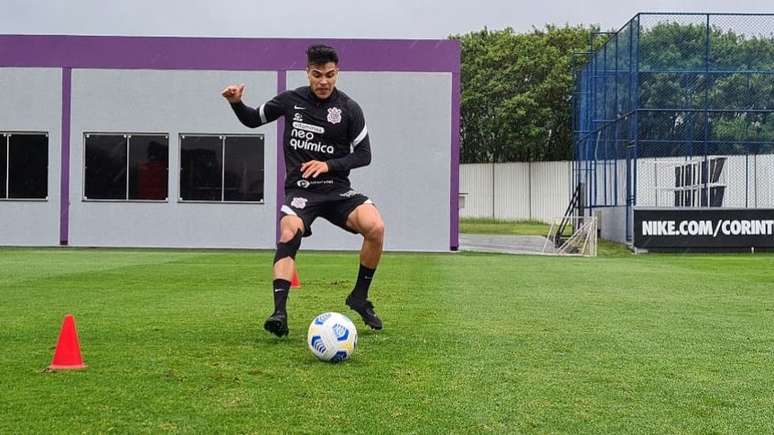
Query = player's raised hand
x=233 y=93
x=313 y=168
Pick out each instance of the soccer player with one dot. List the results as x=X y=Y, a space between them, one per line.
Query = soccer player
x=325 y=137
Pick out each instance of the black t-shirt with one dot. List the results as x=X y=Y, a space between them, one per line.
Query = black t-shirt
x=331 y=130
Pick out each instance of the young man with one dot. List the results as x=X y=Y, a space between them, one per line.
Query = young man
x=325 y=137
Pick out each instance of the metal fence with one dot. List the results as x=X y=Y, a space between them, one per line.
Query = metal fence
x=677 y=110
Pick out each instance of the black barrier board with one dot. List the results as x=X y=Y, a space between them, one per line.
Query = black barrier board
x=710 y=228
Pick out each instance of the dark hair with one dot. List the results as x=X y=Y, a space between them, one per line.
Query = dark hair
x=321 y=54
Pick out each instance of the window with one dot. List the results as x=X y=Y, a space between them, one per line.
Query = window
x=23 y=166
x=126 y=166
x=221 y=168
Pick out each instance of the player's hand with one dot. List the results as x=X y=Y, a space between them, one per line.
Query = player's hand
x=233 y=93
x=313 y=168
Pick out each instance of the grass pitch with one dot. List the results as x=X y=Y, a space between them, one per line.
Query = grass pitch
x=472 y=343
x=498 y=226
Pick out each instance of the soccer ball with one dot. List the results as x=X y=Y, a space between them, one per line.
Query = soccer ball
x=332 y=337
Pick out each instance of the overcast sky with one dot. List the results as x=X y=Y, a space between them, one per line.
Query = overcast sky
x=401 y=19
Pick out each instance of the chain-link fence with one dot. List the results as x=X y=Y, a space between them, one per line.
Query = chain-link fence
x=677 y=110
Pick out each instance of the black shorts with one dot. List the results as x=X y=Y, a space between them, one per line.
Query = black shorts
x=334 y=205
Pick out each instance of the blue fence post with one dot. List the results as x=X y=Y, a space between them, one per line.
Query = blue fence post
x=706 y=108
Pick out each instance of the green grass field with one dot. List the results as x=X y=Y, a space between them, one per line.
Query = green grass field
x=497 y=226
x=473 y=343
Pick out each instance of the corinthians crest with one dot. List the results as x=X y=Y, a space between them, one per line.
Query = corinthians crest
x=298 y=202
x=334 y=115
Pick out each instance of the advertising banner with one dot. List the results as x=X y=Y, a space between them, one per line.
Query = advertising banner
x=710 y=228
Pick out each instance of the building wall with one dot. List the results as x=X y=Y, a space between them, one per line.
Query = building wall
x=477 y=188
x=515 y=191
x=70 y=85
x=172 y=102
x=611 y=222
x=512 y=191
x=32 y=101
x=551 y=189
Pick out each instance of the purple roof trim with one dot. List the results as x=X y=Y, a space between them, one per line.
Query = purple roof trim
x=126 y=52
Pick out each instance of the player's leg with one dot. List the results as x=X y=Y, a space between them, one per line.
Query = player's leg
x=366 y=220
x=291 y=230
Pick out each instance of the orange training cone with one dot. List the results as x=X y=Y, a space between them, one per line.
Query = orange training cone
x=295 y=282
x=68 y=351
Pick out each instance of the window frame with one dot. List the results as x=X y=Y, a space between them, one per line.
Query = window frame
x=6 y=135
x=222 y=137
x=127 y=136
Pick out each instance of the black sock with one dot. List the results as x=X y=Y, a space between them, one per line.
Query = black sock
x=281 y=290
x=364 y=277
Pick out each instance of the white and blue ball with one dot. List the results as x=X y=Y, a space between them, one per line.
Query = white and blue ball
x=332 y=337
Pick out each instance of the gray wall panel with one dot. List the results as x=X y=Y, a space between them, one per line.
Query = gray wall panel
x=550 y=189
x=612 y=223
x=171 y=102
x=512 y=195
x=537 y=191
x=477 y=185
x=408 y=117
x=32 y=101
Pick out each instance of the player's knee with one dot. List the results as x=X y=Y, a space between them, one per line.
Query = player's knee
x=287 y=234
x=375 y=231
x=288 y=248
x=289 y=226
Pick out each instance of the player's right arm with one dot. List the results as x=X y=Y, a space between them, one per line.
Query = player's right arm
x=250 y=117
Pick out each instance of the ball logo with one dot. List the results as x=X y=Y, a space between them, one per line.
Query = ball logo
x=334 y=115
x=298 y=202
x=339 y=357
x=342 y=333
x=322 y=318
x=318 y=345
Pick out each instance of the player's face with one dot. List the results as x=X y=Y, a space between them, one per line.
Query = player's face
x=322 y=79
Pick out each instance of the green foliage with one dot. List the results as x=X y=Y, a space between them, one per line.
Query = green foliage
x=516 y=90
x=688 y=66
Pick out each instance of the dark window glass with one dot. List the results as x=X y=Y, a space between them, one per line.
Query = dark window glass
x=201 y=169
x=244 y=168
x=3 y=165
x=27 y=166
x=148 y=167
x=105 y=167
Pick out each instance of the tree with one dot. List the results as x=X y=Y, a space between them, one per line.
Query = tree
x=674 y=62
x=516 y=91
